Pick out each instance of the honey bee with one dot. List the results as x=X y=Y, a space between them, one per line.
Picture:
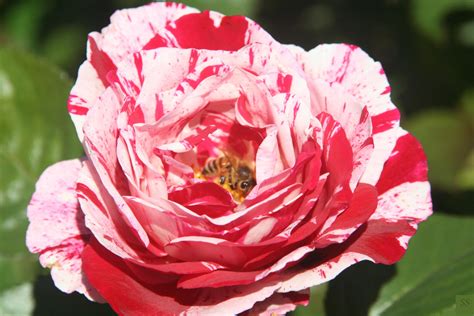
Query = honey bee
x=232 y=174
x=219 y=167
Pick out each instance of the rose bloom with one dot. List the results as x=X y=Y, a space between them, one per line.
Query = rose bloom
x=225 y=172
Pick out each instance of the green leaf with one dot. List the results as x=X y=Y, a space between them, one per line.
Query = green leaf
x=445 y=136
x=467 y=107
x=65 y=45
x=428 y=15
x=23 y=21
x=438 y=266
x=17 y=300
x=35 y=131
x=466 y=34
x=465 y=179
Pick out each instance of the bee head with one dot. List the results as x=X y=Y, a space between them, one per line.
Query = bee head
x=246 y=185
x=244 y=172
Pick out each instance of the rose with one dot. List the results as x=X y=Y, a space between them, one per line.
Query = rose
x=165 y=93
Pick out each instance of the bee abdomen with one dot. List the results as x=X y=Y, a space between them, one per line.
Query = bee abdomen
x=210 y=168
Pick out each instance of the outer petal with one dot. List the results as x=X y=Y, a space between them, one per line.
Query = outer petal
x=372 y=242
x=115 y=281
x=86 y=90
x=57 y=230
x=403 y=203
x=130 y=30
x=359 y=75
x=222 y=32
x=351 y=67
x=404 y=191
x=280 y=303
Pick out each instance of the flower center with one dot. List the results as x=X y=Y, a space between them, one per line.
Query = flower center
x=234 y=175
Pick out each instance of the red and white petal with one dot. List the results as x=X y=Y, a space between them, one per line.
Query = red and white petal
x=161 y=222
x=280 y=304
x=101 y=147
x=131 y=29
x=383 y=144
x=404 y=191
x=254 y=107
x=337 y=152
x=222 y=32
x=101 y=214
x=103 y=269
x=171 y=125
x=223 y=278
x=366 y=244
x=205 y=198
x=342 y=106
x=372 y=242
x=298 y=114
x=318 y=274
x=275 y=201
x=57 y=231
x=353 y=118
x=268 y=160
x=161 y=70
x=350 y=68
x=362 y=205
x=200 y=248
x=86 y=90
x=403 y=203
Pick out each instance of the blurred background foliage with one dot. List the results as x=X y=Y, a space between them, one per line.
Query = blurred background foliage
x=427 y=50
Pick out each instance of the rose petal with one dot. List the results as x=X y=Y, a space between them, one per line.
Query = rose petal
x=337 y=152
x=404 y=192
x=222 y=32
x=57 y=231
x=163 y=220
x=362 y=206
x=106 y=50
x=204 y=198
x=358 y=74
x=354 y=70
x=384 y=238
x=131 y=29
x=104 y=270
x=373 y=241
x=280 y=304
x=101 y=214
